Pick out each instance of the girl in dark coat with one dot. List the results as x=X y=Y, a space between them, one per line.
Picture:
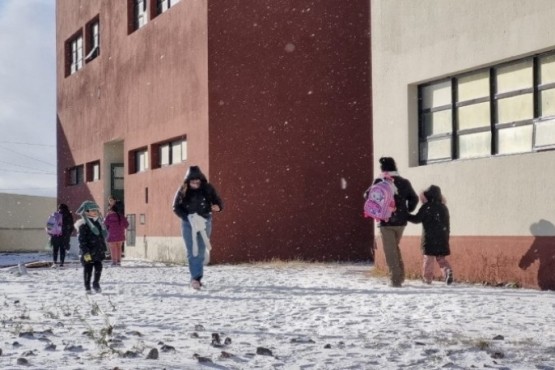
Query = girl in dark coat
x=434 y=216
x=194 y=203
x=60 y=243
x=91 y=233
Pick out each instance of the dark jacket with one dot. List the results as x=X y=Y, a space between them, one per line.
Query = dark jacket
x=406 y=201
x=67 y=229
x=199 y=200
x=91 y=243
x=434 y=217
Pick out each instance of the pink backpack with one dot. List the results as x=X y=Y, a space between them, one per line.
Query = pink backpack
x=54 y=224
x=380 y=203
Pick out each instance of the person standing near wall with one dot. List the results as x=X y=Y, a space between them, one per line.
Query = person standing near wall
x=91 y=235
x=115 y=223
x=194 y=202
x=60 y=243
x=391 y=230
x=120 y=209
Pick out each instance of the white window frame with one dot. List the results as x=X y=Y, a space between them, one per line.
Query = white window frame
x=141 y=160
x=76 y=46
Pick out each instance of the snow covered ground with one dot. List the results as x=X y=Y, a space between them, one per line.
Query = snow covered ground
x=276 y=316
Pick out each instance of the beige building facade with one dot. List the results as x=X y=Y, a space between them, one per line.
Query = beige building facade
x=464 y=98
x=22 y=222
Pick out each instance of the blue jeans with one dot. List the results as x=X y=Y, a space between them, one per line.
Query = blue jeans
x=196 y=264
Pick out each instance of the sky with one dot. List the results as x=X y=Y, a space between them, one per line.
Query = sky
x=28 y=97
x=278 y=315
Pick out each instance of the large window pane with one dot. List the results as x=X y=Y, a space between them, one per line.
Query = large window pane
x=437 y=122
x=547 y=69
x=515 y=139
x=475 y=115
x=96 y=172
x=547 y=102
x=436 y=95
x=475 y=145
x=164 y=155
x=473 y=86
x=184 y=150
x=516 y=108
x=142 y=160
x=177 y=151
x=515 y=76
x=436 y=149
x=545 y=133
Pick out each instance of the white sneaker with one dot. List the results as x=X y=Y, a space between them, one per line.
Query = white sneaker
x=195 y=284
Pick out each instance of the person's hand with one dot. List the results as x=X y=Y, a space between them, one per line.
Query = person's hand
x=87 y=257
x=216 y=208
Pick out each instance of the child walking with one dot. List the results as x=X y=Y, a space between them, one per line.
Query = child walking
x=434 y=216
x=91 y=233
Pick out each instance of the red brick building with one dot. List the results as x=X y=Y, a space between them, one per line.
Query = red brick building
x=271 y=98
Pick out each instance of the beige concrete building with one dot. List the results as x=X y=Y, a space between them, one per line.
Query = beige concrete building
x=22 y=222
x=464 y=97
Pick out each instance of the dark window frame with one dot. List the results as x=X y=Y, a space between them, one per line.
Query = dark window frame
x=75 y=175
x=92 y=37
x=134 y=160
x=90 y=171
x=72 y=54
x=494 y=126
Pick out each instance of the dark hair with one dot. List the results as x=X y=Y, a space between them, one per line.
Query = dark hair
x=387 y=164
x=62 y=207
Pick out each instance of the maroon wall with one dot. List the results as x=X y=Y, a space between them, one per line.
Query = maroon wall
x=527 y=261
x=290 y=128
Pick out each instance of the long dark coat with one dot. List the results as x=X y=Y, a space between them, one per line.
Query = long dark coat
x=434 y=217
x=91 y=243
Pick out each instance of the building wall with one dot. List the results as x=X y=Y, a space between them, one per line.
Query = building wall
x=144 y=88
x=499 y=206
x=273 y=98
x=22 y=222
x=290 y=128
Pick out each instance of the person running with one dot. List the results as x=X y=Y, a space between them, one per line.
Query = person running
x=194 y=202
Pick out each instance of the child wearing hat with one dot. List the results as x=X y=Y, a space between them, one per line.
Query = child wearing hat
x=91 y=236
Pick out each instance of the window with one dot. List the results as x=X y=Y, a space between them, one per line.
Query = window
x=93 y=171
x=137 y=13
x=505 y=109
x=75 y=175
x=93 y=40
x=141 y=160
x=164 y=5
x=131 y=231
x=74 y=52
x=171 y=152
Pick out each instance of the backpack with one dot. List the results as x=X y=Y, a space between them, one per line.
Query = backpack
x=380 y=203
x=54 y=224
